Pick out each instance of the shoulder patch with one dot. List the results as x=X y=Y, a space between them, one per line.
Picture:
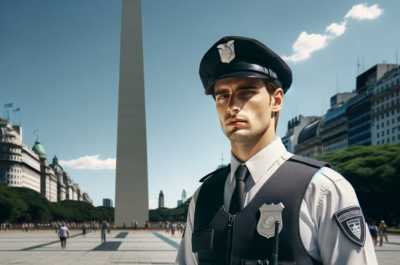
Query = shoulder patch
x=351 y=221
x=213 y=173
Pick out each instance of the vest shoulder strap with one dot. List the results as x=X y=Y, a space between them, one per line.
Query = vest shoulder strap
x=214 y=172
x=309 y=161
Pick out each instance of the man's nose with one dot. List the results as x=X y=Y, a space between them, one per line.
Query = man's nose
x=233 y=105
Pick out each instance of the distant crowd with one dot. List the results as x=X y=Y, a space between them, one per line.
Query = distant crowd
x=26 y=227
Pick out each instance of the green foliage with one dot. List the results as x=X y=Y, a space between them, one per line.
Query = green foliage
x=173 y=215
x=374 y=172
x=11 y=206
x=19 y=205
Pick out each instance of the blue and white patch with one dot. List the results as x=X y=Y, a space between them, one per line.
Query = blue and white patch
x=351 y=222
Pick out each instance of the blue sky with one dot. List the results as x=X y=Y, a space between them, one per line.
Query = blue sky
x=59 y=62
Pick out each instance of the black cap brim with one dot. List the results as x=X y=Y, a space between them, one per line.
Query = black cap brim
x=243 y=74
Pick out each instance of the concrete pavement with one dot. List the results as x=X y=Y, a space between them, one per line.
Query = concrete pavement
x=122 y=247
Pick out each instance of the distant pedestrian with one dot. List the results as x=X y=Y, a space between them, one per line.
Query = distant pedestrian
x=104 y=231
x=63 y=233
x=373 y=229
x=173 y=228
x=136 y=224
x=124 y=224
x=382 y=232
x=84 y=229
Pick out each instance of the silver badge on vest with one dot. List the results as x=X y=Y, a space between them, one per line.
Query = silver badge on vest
x=270 y=213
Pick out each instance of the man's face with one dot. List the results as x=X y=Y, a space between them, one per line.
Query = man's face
x=243 y=107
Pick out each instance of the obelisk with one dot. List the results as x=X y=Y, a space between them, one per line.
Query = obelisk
x=131 y=185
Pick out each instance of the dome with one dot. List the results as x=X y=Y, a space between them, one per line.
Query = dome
x=38 y=149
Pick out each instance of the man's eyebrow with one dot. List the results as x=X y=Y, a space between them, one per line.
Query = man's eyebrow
x=246 y=87
x=220 y=91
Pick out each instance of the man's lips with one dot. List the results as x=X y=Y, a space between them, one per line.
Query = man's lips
x=235 y=121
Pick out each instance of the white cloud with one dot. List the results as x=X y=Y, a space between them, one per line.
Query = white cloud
x=335 y=30
x=361 y=12
x=90 y=162
x=306 y=44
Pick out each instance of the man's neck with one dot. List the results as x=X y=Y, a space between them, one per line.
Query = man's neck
x=243 y=151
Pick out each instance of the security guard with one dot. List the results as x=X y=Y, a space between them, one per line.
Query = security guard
x=233 y=214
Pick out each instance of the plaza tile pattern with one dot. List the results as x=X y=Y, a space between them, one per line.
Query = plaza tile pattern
x=132 y=247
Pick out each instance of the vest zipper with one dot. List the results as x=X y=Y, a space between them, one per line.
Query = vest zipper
x=228 y=239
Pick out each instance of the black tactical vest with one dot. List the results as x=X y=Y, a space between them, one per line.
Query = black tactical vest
x=222 y=238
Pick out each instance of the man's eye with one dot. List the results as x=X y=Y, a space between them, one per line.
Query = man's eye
x=222 y=97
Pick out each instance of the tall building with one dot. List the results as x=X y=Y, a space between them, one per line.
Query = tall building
x=358 y=111
x=334 y=129
x=131 y=184
x=184 y=196
x=107 y=203
x=161 y=200
x=370 y=115
x=21 y=166
x=385 y=109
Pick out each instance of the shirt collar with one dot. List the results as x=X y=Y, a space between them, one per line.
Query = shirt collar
x=260 y=162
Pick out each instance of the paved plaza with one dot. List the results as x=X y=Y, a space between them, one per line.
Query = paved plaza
x=122 y=247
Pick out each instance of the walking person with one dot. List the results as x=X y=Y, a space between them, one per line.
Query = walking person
x=84 y=229
x=104 y=231
x=382 y=232
x=173 y=228
x=63 y=233
x=373 y=229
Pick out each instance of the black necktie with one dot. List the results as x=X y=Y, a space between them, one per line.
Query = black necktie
x=238 y=195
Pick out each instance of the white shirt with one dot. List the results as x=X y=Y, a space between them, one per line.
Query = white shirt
x=63 y=231
x=327 y=193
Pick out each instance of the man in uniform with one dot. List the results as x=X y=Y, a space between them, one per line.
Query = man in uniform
x=232 y=215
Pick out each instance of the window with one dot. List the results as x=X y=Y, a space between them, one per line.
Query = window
x=393 y=139
x=388 y=131
x=398 y=137
x=383 y=125
x=387 y=122
x=393 y=121
x=383 y=133
x=377 y=118
x=388 y=140
x=383 y=141
x=378 y=141
x=398 y=118
x=377 y=135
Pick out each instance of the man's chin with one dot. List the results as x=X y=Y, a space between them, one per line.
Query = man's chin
x=239 y=136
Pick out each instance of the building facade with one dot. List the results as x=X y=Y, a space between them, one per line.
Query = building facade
x=107 y=203
x=295 y=126
x=334 y=135
x=309 y=142
x=385 y=109
x=370 y=115
x=21 y=166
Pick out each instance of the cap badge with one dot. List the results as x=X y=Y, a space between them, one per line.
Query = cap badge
x=227 y=51
x=269 y=214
